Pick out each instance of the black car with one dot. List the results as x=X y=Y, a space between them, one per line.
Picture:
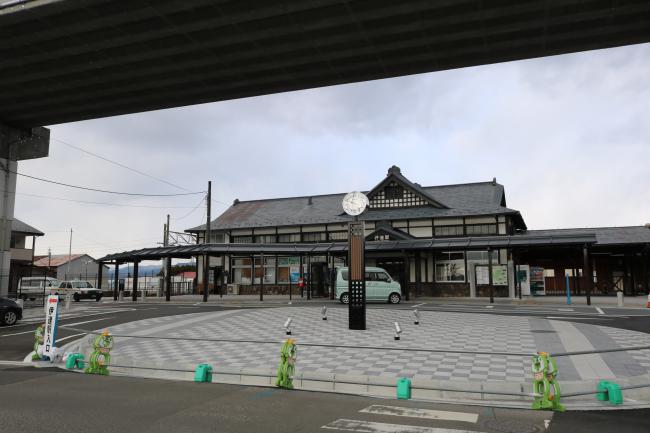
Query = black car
x=10 y=311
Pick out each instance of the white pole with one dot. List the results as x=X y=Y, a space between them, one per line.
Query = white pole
x=67 y=272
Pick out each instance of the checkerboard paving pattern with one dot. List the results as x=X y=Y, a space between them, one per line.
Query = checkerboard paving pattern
x=437 y=330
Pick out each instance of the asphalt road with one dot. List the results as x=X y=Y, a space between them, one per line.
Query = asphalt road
x=83 y=403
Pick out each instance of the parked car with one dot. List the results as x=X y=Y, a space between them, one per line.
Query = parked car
x=379 y=286
x=78 y=289
x=32 y=287
x=10 y=311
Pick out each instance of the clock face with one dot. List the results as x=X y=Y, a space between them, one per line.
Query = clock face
x=354 y=203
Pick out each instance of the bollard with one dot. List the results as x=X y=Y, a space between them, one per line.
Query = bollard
x=203 y=373
x=545 y=386
x=416 y=313
x=398 y=331
x=287 y=326
x=120 y=295
x=323 y=312
x=68 y=299
x=101 y=355
x=287 y=366
x=74 y=360
x=609 y=391
x=403 y=388
x=619 y=299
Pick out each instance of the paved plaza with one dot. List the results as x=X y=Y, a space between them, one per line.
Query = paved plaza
x=437 y=330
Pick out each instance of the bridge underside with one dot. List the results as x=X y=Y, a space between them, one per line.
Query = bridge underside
x=63 y=61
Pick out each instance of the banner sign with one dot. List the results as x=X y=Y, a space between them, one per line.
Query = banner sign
x=51 y=319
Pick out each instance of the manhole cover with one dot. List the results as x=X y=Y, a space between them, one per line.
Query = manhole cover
x=511 y=426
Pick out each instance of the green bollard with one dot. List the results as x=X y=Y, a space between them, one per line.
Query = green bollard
x=609 y=391
x=74 y=360
x=403 y=388
x=203 y=373
x=288 y=355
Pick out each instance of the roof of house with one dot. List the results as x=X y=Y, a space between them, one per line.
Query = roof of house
x=57 y=259
x=18 y=226
x=482 y=198
x=604 y=235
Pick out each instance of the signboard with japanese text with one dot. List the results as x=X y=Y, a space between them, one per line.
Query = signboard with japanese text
x=499 y=275
x=51 y=319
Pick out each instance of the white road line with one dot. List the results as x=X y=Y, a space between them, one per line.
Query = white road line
x=565 y=309
x=424 y=303
x=421 y=413
x=489 y=306
x=547 y=422
x=600 y=311
x=87 y=321
x=58 y=340
x=31 y=331
x=380 y=427
x=578 y=318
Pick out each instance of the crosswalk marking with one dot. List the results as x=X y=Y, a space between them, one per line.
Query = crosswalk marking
x=380 y=427
x=421 y=413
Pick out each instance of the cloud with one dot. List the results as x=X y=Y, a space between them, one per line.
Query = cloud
x=568 y=136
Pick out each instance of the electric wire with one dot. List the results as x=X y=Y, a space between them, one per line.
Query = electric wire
x=190 y=212
x=104 y=190
x=119 y=164
x=97 y=202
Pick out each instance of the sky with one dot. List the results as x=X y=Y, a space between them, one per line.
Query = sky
x=568 y=136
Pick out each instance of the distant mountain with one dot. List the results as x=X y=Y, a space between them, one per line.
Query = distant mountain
x=143 y=270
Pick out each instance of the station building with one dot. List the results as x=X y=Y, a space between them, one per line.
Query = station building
x=437 y=240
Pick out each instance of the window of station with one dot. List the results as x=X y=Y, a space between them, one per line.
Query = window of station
x=481 y=229
x=450 y=267
x=242 y=239
x=289 y=238
x=265 y=239
x=449 y=230
x=313 y=237
x=338 y=236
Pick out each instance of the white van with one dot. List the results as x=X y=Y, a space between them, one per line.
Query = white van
x=379 y=286
x=32 y=287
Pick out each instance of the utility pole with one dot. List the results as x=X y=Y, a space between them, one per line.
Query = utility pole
x=167 y=265
x=206 y=257
x=67 y=271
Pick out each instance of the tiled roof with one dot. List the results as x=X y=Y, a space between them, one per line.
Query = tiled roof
x=20 y=227
x=57 y=260
x=484 y=198
x=604 y=235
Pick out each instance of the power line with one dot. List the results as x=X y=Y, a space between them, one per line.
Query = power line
x=119 y=164
x=190 y=212
x=103 y=190
x=97 y=202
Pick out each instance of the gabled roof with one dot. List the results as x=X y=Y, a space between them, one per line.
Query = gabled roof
x=17 y=226
x=468 y=199
x=394 y=234
x=57 y=259
x=395 y=174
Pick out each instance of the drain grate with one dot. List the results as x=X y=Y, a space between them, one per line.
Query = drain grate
x=512 y=426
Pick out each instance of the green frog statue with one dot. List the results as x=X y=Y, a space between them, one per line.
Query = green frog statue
x=38 y=342
x=288 y=354
x=101 y=355
x=545 y=386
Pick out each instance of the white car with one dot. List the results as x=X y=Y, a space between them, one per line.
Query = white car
x=33 y=287
x=78 y=289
